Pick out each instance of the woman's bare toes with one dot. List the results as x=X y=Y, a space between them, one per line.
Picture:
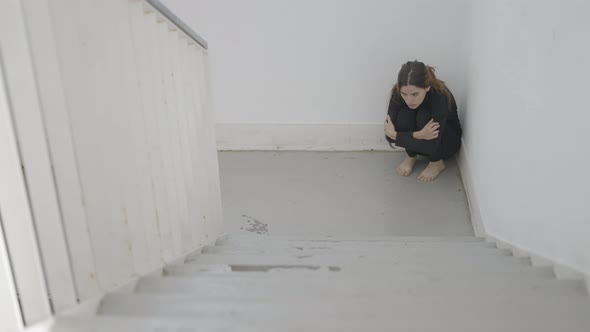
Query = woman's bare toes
x=406 y=167
x=431 y=171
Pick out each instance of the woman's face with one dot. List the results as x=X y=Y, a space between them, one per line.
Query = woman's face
x=413 y=95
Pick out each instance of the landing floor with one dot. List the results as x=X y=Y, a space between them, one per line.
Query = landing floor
x=338 y=193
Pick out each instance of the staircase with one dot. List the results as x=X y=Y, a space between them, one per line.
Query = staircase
x=262 y=283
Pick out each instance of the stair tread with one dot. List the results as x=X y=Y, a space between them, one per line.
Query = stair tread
x=372 y=250
x=465 y=307
x=235 y=324
x=352 y=244
x=349 y=259
x=240 y=239
x=514 y=270
x=244 y=286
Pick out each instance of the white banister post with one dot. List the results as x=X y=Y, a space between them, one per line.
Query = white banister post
x=9 y=306
x=170 y=50
x=152 y=188
x=127 y=105
x=192 y=189
x=63 y=157
x=86 y=57
x=203 y=141
x=168 y=226
x=55 y=109
x=209 y=119
x=181 y=108
x=170 y=112
x=196 y=144
x=24 y=150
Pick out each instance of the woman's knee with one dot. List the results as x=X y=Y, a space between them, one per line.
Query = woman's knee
x=423 y=116
x=406 y=120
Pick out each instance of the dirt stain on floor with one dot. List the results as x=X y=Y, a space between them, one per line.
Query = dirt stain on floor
x=254 y=225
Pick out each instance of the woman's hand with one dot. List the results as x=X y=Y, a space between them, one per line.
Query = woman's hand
x=429 y=132
x=390 y=129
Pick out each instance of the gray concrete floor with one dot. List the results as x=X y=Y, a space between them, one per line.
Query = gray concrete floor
x=338 y=193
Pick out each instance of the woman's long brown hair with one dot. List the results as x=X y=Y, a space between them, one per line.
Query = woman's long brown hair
x=418 y=74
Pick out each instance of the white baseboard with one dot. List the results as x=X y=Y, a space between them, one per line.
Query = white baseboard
x=468 y=183
x=302 y=137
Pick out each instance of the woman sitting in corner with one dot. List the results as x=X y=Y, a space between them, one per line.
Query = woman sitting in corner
x=422 y=118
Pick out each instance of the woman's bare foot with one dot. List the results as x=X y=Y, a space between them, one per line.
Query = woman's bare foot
x=406 y=167
x=431 y=171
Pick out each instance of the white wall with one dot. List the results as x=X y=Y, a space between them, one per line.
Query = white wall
x=525 y=125
x=321 y=62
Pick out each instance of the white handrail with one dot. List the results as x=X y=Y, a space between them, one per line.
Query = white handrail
x=178 y=22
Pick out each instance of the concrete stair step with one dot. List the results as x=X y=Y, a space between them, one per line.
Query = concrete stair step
x=249 y=239
x=289 y=283
x=262 y=244
x=364 y=250
x=393 y=241
x=378 y=286
x=515 y=270
x=468 y=259
x=558 y=312
x=239 y=324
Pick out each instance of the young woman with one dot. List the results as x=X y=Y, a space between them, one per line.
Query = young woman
x=422 y=118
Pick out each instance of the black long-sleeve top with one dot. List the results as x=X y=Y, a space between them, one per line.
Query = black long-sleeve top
x=435 y=106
